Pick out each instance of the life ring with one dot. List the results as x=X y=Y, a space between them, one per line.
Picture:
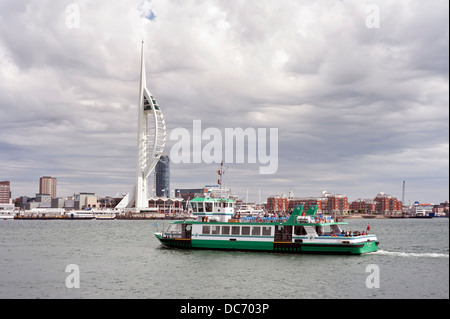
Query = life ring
x=258 y=219
x=205 y=219
x=339 y=219
x=317 y=219
x=237 y=215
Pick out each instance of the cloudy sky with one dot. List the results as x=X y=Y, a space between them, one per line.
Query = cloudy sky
x=358 y=90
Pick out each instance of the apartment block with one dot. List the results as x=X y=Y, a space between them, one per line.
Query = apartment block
x=387 y=204
x=277 y=204
x=5 y=192
x=47 y=185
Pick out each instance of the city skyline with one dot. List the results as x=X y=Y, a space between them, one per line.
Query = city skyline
x=359 y=108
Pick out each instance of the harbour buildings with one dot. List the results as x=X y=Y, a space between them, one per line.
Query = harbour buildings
x=5 y=192
x=387 y=204
x=337 y=204
x=47 y=185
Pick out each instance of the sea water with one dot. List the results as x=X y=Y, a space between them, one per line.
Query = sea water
x=123 y=259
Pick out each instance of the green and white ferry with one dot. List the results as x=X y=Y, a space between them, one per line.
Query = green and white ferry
x=218 y=227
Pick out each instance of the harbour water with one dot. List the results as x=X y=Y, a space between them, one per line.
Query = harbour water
x=123 y=259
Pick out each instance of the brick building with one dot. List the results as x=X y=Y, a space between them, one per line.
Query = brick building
x=337 y=204
x=277 y=204
x=387 y=204
x=363 y=206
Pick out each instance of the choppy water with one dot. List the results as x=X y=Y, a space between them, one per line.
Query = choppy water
x=122 y=259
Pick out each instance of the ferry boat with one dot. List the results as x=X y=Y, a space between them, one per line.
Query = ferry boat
x=6 y=215
x=218 y=227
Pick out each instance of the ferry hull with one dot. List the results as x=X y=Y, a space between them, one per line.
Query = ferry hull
x=280 y=247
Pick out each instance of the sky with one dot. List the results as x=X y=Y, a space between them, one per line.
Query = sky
x=357 y=90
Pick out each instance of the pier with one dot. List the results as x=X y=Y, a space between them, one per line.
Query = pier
x=102 y=216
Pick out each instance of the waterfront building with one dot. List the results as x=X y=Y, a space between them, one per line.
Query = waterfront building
x=307 y=203
x=162 y=177
x=387 y=204
x=441 y=210
x=5 y=192
x=166 y=205
x=43 y=198
x=277 y=204
x=337 y=204
x=57 y=202
x=363 y=206
x=326 y=204
x=47 y=185
x=85 y=200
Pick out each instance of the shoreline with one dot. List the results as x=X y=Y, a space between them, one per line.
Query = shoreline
x=159 y=217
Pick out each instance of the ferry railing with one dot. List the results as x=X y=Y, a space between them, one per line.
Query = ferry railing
x=281 y=219
x=172 y=235
x=255 y=219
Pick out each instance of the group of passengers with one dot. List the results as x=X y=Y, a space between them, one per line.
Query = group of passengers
x=349 y=233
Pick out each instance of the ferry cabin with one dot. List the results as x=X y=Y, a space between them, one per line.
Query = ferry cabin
x=214 y=209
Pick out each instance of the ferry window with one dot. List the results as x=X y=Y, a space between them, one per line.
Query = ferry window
x=208 y=207
x=200 y=207
x=176 y=228
x=206 y=230
x=194 y=207
x=225 y=230
x=299 y=230
x=215 y=230
x=256 y=230
x=245 y=230
x=235 y=230
x=267 y=231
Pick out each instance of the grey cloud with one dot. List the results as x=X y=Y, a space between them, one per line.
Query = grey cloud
x=354 y=106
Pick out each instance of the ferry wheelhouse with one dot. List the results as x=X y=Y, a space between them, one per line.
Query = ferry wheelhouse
x=217 y=227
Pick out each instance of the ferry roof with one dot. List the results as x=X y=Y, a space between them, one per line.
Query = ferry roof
x=211 y=199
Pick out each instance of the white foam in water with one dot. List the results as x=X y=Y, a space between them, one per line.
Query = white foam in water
x=403 y=254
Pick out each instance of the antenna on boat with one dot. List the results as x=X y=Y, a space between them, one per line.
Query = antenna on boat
x=221 y=171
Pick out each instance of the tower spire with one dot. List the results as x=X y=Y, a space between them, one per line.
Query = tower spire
x=151 y=139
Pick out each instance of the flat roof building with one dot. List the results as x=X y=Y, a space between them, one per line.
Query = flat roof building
x=5 y=192
x=47 y=185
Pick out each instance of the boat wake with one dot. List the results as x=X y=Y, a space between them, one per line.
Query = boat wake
x=403 y=254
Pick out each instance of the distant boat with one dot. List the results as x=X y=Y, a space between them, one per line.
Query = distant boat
x=5 y=215
x=105 y=216
x=81 y=214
